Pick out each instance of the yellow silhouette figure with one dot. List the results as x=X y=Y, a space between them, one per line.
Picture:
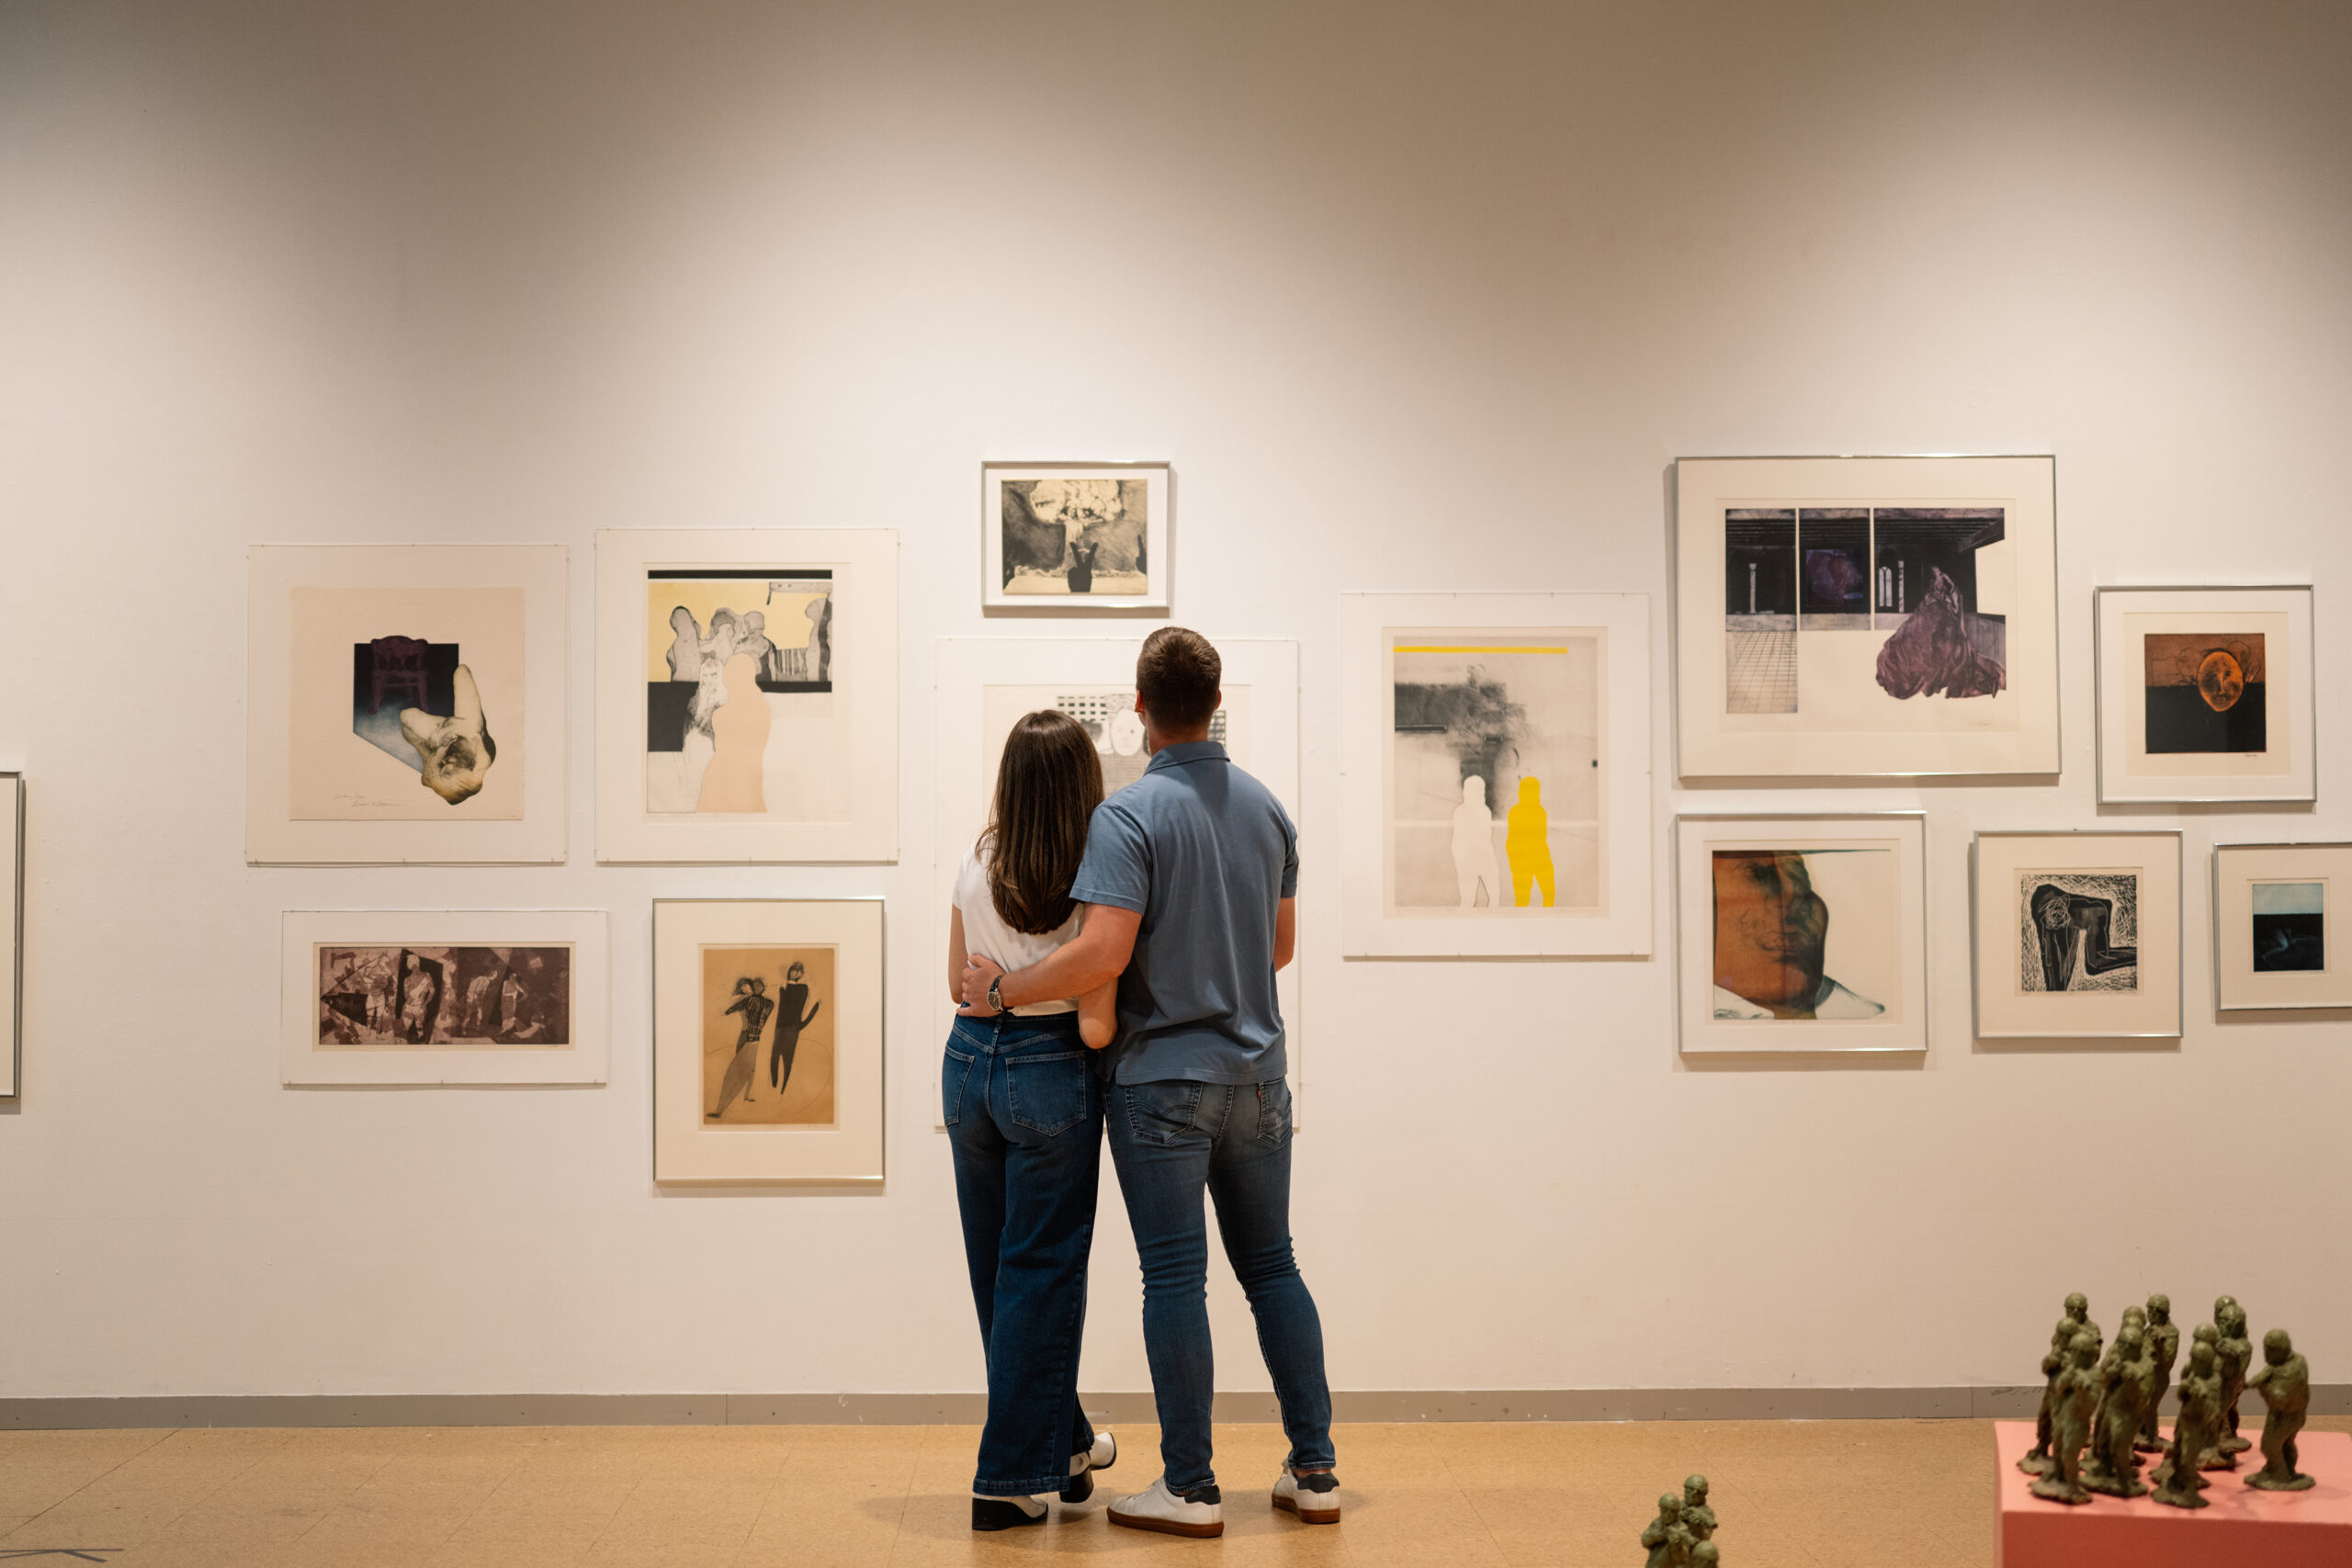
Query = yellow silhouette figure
x=1527 y=841
x=740 y=743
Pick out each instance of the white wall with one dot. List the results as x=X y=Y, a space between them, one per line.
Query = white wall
x=1415 y=298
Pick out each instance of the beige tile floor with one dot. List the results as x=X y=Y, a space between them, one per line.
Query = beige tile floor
x=1831 y=1494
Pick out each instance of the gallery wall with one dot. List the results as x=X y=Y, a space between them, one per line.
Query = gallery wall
x=1414 y=298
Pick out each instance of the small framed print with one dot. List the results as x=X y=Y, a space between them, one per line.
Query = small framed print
x=2271 y=905
x=12 y=932
x=1853 y=618
x=1077 y=536
x=767 y=1040
x=1803 y=933
x=2078 y=935
x=420 y=997
x=2206 y=694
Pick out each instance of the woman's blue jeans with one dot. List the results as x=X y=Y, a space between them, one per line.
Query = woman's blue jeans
x=1170 y=1141
x=1023 y=1108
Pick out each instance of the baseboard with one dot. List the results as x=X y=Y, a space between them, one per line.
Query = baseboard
x=967 y=1409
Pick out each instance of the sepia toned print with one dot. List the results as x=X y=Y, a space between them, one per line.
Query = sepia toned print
x=1074 y=537
x=768 y=1017
x=504 y=997
x=739 y=693
x=1806 y=933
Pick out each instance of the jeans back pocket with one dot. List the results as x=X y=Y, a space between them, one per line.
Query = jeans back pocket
x=1274 y=1111
x=1047 y=1094
x=954 y=1073
x=1163 y=1114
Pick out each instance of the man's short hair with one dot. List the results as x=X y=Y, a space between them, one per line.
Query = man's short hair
x=1177 y=676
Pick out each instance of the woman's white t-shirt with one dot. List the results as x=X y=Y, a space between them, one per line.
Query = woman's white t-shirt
x=987 y=935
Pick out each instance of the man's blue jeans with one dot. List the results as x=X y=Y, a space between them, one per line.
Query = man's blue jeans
x=1170 y=1140
x=1023 y=1108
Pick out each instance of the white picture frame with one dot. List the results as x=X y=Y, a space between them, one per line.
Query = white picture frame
x=984 y=682
x=2136 y=876
x=2167 y=655
x=825 y=778
x=12 y=935
x=1865 y=977
x=1083 y=580
x=485 y=981
x=1798 y=660
x=696 y=939
x=326 y=786
x=1597 y=839
x=2271 y=945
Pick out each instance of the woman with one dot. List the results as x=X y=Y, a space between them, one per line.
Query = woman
x=1024 y=1111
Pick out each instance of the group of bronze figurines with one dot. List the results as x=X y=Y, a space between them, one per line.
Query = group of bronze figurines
x=2108 y=1405
x=1682 y=1536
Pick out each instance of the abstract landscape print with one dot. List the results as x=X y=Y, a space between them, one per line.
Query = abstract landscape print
x=740 y=710
x=2078 y=931
x=1497 y=773
x=2290 y=932
x=416 y=996
x=1854 y=615
x=2206 y=692
x=768 y=1029
x=1075 y=536
x=406 y=704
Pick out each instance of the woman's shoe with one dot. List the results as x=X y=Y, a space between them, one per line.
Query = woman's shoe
x=1106 y=1451
x=1314 y=1498
x=1199 y=1512
x=1006 y=1513
x=1102 y=1456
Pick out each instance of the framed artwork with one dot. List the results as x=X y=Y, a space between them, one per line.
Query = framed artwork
x=1803 y=933
x=985 y=684
x=11 y=933
x=747 y=694
x=1082 y=537
x=2271 y=904
x=1846 y=617
x=419 y=997
x=1496 y=775
x=767 y=1040
x=2078 y=935
x=2206 y=694
x=405 y=704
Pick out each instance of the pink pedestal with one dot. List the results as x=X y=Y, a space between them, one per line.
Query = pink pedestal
x=2243 y=1529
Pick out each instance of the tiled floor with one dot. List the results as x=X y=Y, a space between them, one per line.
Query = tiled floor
x=1833 y=1493
x=1759 y=671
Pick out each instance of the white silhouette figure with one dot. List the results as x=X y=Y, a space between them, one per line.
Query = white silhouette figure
x=1474 y=846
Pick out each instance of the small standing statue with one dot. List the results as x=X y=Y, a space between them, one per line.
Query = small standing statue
x=2070 y=1421
x=2194 y=1430
x=2163 y=1346
x=2237 y=1352
x=1668 y=1538
x=2135 y=1322
x=2284 y=1381
x=2078 y=1311
x=1697 y=1518
x=2112 y=1467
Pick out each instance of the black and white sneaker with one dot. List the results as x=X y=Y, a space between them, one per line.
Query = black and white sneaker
x=1102 y=1456
x=1006 y=1513
x=1199 y=1512
x=1314 y=1498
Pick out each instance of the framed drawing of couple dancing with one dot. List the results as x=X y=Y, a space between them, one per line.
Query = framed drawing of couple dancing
x=747 y=703
x=767 y=1040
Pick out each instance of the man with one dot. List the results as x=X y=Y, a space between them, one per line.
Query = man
x=1189 y=885
x=1772 y=934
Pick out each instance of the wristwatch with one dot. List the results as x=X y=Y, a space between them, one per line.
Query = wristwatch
x=994 y=1000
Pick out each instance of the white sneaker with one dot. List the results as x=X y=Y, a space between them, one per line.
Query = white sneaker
x=1314 y=1498
x=1201 y=1512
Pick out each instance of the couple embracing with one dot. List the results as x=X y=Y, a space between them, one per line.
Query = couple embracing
x=1114 y=962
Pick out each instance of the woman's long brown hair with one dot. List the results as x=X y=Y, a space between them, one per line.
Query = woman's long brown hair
x=1047 y=789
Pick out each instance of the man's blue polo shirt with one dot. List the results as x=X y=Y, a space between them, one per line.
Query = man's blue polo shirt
x=1205 y=855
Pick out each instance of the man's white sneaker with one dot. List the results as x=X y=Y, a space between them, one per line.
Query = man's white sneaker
x=1198 y=1513
x=1314 y=1498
